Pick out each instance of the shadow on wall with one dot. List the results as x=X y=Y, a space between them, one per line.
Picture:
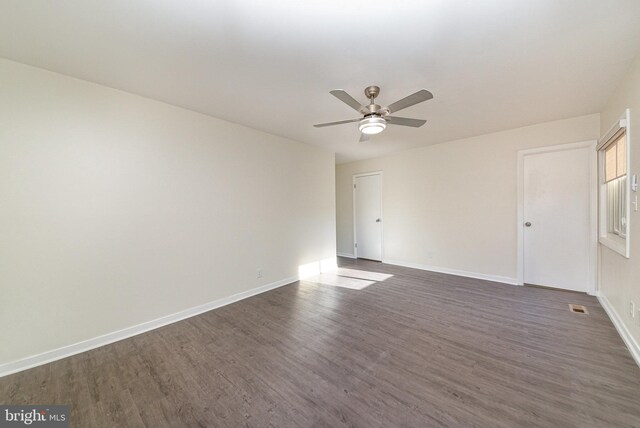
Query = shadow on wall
x=326 y=272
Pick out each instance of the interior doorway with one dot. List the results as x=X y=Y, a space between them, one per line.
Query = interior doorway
x=367 y=215
x=557 y=216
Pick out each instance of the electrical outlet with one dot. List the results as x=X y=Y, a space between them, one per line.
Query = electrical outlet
x=259 y=273
x=632 y=311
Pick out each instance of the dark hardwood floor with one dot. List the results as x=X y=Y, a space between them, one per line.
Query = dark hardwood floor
x=415 y=349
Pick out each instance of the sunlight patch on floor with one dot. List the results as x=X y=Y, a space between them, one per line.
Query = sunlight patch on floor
x=348 y=278
x=339 y=281
x=362 y=274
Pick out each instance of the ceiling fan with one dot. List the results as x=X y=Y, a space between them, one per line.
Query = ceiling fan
x=376 y=117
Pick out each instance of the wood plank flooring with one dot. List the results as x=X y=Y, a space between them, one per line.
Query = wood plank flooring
x=416 y=349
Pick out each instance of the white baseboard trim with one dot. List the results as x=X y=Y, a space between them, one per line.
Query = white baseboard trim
x=615 y=318
x=96 y=342
x=494 y=278
x=347 y=255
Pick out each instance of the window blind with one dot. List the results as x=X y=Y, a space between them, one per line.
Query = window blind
x=615 y=159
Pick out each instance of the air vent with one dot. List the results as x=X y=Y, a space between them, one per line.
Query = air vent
x=578 y=309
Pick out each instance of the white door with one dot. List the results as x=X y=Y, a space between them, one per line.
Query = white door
x=368 y=216
x=557 y=218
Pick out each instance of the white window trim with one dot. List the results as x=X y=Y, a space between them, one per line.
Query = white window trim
x=620 y=245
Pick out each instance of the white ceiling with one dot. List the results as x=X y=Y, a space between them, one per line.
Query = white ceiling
x=491 y=64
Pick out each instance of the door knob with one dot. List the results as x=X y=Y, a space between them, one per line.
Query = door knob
x=528 y=224
x=377 y=220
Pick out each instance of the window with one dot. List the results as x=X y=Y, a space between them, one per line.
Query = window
x=616 y=180
x=613 y=152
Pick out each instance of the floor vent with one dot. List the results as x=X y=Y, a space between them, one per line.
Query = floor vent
x=578 y=309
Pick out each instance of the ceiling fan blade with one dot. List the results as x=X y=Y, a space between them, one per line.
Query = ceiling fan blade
x=418 y=97
x=346 y=98
x=363 y=137
x=321 y=125
x=405 y=121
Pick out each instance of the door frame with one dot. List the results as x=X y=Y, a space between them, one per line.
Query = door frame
x=353 y=189
x=593 y=204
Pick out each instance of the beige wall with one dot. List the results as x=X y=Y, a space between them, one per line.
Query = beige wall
x=452 y=206
x=620 y=277
x=116 y=209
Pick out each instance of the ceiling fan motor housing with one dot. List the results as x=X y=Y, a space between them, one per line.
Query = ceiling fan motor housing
x=370 y=109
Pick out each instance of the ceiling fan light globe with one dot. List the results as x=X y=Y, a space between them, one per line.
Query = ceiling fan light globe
x=371 y=129
x=372 y=125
